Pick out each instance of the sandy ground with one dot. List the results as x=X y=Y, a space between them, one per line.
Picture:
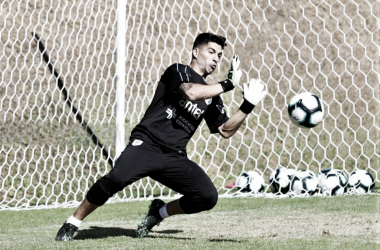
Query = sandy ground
x=249 y=225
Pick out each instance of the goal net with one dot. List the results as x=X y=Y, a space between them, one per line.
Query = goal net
x=59 y=105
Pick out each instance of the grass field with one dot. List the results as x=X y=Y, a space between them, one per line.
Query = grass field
x=347 y=222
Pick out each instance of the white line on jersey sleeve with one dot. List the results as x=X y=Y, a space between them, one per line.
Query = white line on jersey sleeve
x=188 y=80
x=179 y=73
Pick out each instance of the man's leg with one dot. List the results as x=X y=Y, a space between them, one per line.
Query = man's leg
x=84 y=209
x=158 y=211
x=66 y=232
x=185 y=177
x=133 y=164
x=174 y=208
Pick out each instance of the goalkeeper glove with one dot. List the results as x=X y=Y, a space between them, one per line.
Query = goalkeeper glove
x=253 y=94
x=234 y=75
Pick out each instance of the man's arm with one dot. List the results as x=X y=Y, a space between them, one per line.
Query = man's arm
x=229 y=128
x=196 y=91
x=254 y=92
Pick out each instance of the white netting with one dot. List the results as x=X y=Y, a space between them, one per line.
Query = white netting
x=330 y=48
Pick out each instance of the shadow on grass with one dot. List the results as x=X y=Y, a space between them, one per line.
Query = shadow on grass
x=168 y=231
x=105 y=232
x=95 y=232
x=170 y=235
x=226 y=240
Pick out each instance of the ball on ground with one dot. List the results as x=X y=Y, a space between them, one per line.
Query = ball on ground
x=279 y=180
x=304 y=182
x=332 y=181
x=250 y=182
x=361 y=181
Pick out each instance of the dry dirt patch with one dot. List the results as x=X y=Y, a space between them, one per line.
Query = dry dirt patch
x=248 y=224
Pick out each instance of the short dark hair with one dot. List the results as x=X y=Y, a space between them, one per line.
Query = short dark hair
x=205 y=38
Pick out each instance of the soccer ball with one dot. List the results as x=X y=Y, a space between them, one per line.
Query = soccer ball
x=304 y=182
x=305 y=110
x=250 y=181
x=332 y=181
x=280 y=179
x=361 y=181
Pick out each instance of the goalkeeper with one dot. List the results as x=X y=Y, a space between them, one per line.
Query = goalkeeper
x=157 y=146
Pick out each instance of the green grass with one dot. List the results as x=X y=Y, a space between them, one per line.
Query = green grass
x=347 y=222
x=325 y=47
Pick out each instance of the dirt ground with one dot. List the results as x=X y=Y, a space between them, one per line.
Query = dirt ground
x=262 y=224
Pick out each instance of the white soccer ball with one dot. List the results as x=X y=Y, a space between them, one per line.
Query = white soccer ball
x=361 y=181
x=280 y=179
x=332 y=181
x=305 y=110
x=250 y=181
x=304 y=182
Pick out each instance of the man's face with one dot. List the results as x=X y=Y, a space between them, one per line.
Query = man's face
x=208 y=57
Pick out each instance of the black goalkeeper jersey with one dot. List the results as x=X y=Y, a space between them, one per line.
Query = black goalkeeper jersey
x=171 y=120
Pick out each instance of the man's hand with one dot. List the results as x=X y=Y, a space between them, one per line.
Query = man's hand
x=234 y=75
x=253 y=94
x=254 y=91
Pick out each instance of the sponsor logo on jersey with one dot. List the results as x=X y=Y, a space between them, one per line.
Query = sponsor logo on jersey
x=192 y=108
x=171 y=113
x=185 y=124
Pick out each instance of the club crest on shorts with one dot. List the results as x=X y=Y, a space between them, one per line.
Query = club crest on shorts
x=137 y=142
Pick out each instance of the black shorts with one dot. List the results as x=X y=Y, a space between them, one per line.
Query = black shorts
x=173 y=170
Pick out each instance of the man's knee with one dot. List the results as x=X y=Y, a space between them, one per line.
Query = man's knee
x=210 y=199
x=202 y=201
x=103 y=189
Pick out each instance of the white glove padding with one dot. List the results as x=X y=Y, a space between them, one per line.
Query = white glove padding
x=235 y=73
x=254 y=91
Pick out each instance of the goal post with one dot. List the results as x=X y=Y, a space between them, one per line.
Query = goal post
x=120 y=77
x=111 y=54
